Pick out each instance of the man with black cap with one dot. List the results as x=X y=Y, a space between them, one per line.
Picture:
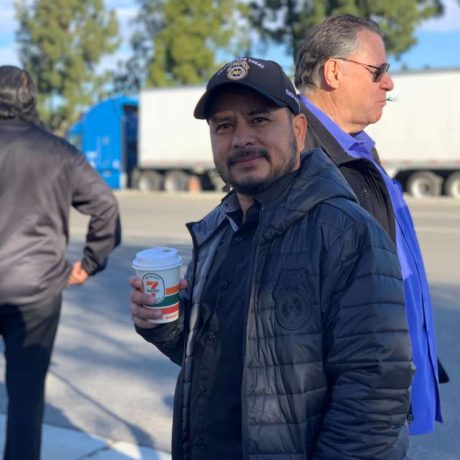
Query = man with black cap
x=292 y=336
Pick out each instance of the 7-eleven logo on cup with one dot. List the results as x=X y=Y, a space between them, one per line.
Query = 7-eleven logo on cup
x=154 y=284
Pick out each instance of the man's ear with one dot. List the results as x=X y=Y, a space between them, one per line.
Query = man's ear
x=331 y=73
x=299 y=124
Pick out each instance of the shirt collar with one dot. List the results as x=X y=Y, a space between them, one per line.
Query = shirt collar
x=357 y=145
x=232 y=206
x=269 y=195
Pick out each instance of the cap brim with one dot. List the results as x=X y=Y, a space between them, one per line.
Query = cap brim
x=201 y=111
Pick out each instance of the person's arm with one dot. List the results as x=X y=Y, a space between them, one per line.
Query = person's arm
x=92 y=196
x=367 y=349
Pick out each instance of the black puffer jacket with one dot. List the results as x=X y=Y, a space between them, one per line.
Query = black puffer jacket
x=327 y=365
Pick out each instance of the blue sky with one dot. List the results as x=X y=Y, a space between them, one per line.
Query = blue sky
x=438 y=39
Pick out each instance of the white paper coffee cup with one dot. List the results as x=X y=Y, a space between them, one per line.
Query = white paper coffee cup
x=159 y=270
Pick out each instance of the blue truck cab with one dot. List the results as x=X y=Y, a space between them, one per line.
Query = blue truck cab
x=107 y=136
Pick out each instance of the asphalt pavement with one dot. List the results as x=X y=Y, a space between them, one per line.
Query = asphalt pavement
x=67 y=444
x=110 y=393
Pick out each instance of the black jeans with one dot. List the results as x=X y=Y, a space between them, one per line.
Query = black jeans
x=29 y=332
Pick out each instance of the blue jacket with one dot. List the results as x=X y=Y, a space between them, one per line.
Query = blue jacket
x=382 y=197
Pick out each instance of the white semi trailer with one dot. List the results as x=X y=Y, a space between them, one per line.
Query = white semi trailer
x=418 y=136
x=174 y=150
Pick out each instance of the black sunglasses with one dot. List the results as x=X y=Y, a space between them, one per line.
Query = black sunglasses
x=377 y=74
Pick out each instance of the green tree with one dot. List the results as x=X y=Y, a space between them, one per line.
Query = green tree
x=177 y=41
x=287 y=21
x=61 y=43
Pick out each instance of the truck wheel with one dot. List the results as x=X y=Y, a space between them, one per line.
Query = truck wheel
x=452 y=185
x=149 y=181
x=176 y=181
x=423 y=184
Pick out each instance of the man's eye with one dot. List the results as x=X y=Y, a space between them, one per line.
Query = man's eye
x=223 y=127
x=259 y=120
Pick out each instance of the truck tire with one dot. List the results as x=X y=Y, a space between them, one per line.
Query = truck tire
x=452 y=185
x=176 y=181
x=147 y=181
x=424 y=184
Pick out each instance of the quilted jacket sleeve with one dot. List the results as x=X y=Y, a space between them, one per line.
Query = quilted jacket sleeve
x=366 y=346
x=169 y=337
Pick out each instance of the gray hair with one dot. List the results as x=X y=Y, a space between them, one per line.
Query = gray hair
x=337 y=36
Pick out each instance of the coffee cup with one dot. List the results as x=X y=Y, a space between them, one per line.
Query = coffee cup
x=159 y=270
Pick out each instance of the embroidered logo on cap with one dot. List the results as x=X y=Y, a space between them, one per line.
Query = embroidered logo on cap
x=237 y=70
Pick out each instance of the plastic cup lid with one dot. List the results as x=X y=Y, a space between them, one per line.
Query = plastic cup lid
x=159 y=258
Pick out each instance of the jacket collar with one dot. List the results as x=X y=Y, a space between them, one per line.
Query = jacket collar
x=317 y=180
x=319 y=135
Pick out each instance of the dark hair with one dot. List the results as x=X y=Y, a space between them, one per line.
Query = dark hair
x=337 y=36
x=18 y=95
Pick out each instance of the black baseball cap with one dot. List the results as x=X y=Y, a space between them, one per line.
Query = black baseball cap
x=265 y=77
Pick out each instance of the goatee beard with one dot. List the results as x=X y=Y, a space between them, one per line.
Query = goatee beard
x=251 y=187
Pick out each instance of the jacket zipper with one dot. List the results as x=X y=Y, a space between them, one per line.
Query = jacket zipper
x=244 y=418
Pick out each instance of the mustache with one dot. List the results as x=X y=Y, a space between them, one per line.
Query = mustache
x=244 y=154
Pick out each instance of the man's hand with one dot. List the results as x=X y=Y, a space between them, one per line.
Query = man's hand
x=139 y=313
x=78 y=275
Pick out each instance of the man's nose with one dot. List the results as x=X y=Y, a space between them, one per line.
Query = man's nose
x=387 y=82
x=242 y=135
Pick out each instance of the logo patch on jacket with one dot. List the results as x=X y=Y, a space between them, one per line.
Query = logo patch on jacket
x=292 y=296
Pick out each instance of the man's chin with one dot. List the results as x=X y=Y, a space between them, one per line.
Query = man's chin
x=252 y=187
